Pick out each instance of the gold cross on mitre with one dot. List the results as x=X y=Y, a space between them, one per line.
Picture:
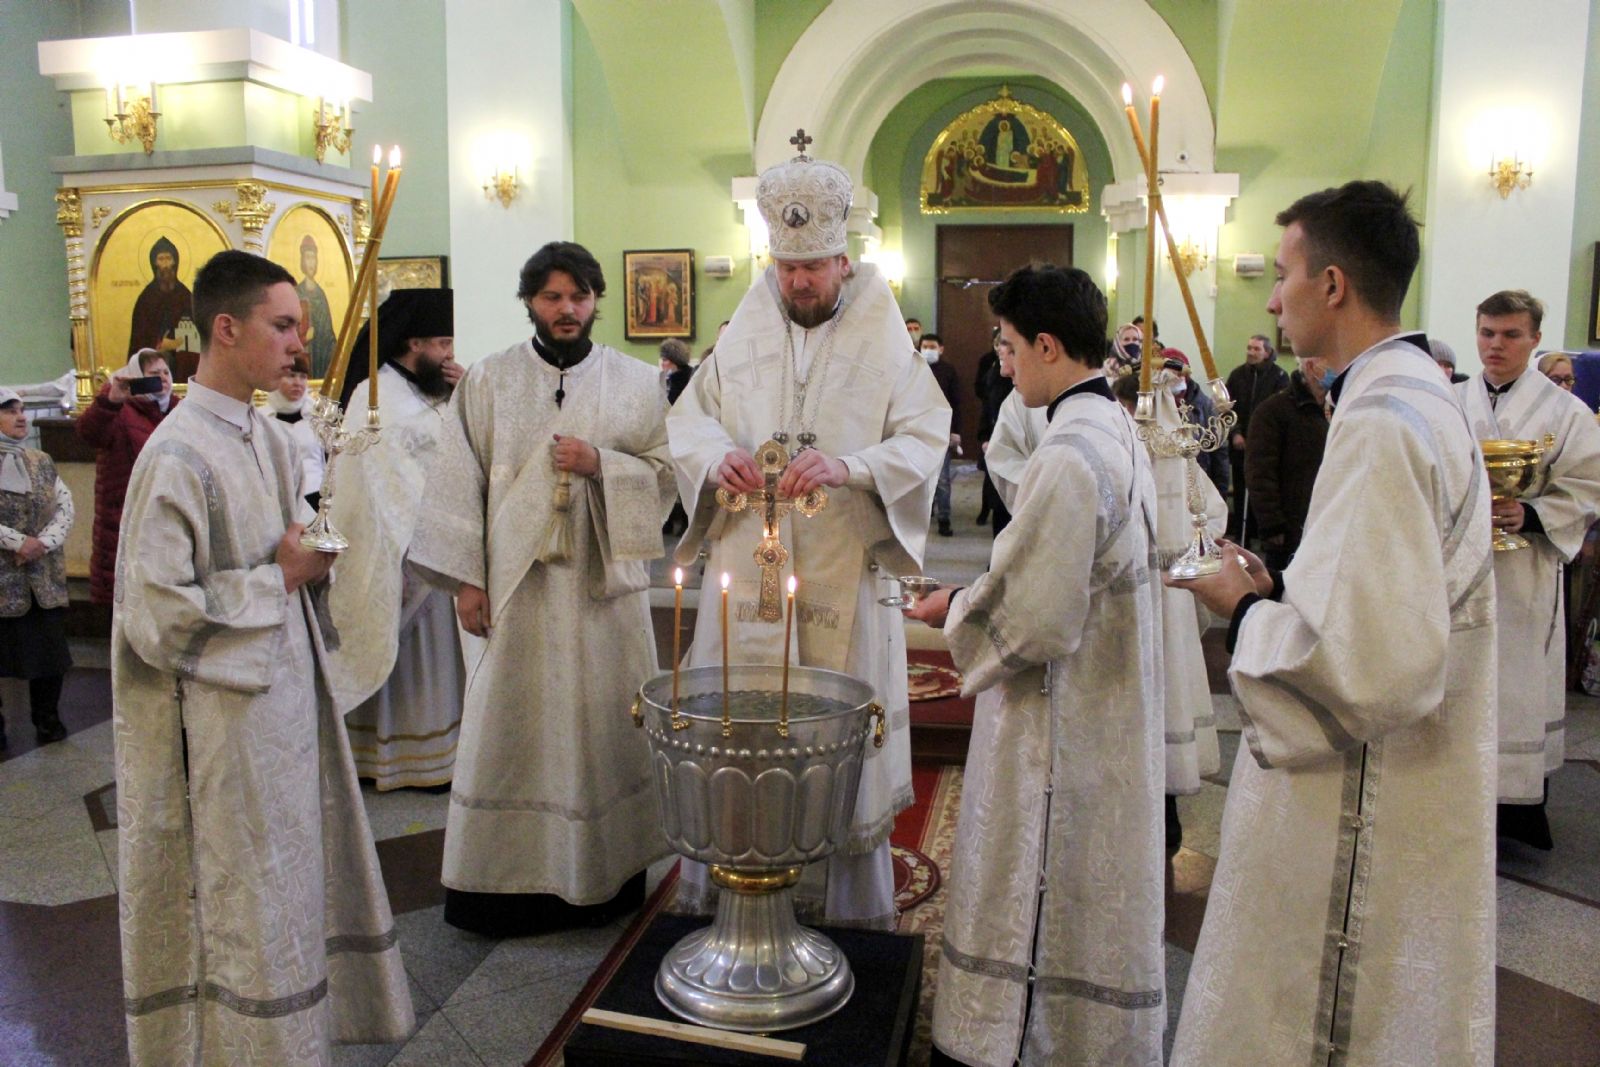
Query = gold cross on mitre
x=800 y=140
x=770 y=555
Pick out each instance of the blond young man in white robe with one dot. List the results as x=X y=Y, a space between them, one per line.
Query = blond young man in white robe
x=817 y=351
x=1052 y=942
x=550 y=496
x=1351 y=917
x=255 y=927
x=1511 y=400
x=409 y=680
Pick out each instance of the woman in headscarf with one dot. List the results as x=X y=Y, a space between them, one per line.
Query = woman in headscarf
x=35 y=515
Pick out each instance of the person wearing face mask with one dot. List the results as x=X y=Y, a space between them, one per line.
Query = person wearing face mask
x=35 y=516
x=1281 y=458
x=1186 y=390
x=118 y=424
x=945 y=375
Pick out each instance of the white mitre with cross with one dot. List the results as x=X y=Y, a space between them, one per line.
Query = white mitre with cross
x=805 y=203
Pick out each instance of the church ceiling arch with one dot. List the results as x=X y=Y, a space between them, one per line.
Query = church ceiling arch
x=654 y=57
x=861 y=57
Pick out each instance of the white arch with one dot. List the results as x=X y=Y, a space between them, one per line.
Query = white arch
x=860 y=58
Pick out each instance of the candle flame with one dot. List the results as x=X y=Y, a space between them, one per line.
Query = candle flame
x=394 y=157
x=377 y=154
x=724 y=579
x=1160 y=84
x=793 y=581
x=1127 y=94
x=677 y=576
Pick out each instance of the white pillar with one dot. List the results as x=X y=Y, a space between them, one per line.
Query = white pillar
x=506 y=84
x=1506 y=80
x=312 y=24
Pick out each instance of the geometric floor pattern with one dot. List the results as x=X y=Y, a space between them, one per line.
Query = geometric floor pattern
x=491 y=1003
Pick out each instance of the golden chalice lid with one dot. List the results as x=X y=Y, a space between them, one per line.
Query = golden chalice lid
x=1508 y=449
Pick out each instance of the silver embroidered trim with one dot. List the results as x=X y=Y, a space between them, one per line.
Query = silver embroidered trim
x=363 y=942
x=546 y=808
x=256 y=1009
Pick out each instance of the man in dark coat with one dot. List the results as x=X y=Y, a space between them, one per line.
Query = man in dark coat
x=991 y=387
x=932 y=348
x=1250 y=384
x=1281 y=458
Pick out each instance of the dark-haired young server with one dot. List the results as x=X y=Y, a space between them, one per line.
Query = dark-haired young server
x=1052 y=942
x=1510 y=399
x=255 y=927
x=549 y=498
x=1351 y=918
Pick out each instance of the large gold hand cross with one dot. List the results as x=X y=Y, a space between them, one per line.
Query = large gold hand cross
x=770 y=554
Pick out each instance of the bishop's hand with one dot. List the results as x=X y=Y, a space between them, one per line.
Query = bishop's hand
x=809 y=470
x=738 y=473
x=1507 y=515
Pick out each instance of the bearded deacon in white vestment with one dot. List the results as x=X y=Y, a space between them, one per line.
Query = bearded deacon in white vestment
x=553 y=487
x=1510 y=400
x=401 y=681
x=255 y=927
x=1351 y=917
x=817 y=351
x=1052 y=942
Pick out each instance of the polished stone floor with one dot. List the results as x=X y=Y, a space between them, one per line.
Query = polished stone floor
x=491 y=1003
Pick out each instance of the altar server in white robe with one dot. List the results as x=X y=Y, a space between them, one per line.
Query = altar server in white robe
x=1052 y=943
x=1511 y=400
x=1191 y=730
x=406 y=682
x=255 y=927
x=552 y=489
x=817 y=352
x=1351 y=917
x=1017 y=432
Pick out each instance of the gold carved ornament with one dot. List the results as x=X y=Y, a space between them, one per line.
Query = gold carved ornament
x=250 y=210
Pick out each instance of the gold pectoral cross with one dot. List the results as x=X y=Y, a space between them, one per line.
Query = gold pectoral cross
x=770 y=554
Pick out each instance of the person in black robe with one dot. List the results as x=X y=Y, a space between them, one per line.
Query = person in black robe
x=162 y=303
x=991 y=388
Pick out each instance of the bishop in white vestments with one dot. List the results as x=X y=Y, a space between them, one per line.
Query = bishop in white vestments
x=1511 y=400
x=1351 y=918
x=255 y=926
x=406 y=682
x=1052 y=943
x=817 y=357
x=553 y=486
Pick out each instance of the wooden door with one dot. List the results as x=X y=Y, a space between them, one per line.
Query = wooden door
x=972 y=260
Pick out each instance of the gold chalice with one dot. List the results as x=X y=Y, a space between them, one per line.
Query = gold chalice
x=1512 y=466
x=913 y=587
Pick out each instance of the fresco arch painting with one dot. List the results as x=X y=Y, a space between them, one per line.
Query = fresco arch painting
x=1004 y=155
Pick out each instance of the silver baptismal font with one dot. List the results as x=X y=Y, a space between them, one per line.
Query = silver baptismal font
x=756 y=781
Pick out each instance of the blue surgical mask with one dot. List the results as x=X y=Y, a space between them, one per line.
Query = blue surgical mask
x=1328 y=378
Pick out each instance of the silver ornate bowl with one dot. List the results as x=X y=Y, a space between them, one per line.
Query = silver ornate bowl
x=756 y=800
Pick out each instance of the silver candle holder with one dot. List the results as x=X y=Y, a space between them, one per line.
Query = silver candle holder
x=327 y=423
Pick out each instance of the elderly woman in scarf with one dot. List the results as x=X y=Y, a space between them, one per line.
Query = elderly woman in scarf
x=35 y=515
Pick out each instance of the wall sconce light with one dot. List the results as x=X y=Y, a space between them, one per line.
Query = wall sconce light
x=332 y=131
x=1191 y=258
x=498 y=159
x=135 y=114
x=1508 y=174
x=502 y=185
